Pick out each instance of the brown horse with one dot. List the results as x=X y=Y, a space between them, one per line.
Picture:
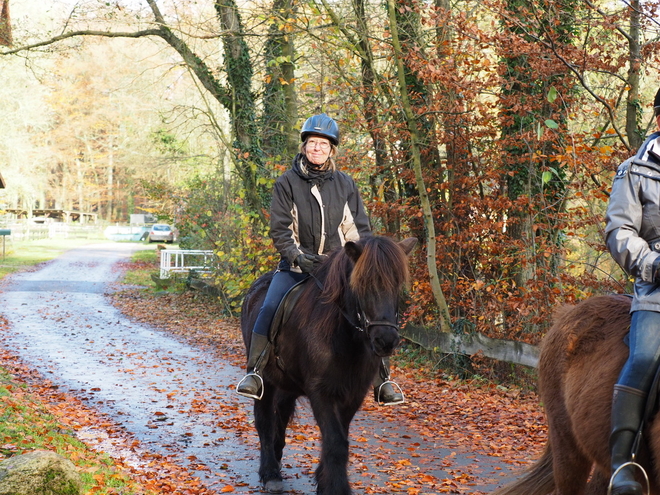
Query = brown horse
x=580 y=360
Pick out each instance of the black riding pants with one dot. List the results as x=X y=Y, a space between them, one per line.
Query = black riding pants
x=282 y=281
x=644 y=343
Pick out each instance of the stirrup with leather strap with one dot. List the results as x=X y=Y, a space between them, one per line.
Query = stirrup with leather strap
x=627 y=465
x=252 y=384
x=386 y=394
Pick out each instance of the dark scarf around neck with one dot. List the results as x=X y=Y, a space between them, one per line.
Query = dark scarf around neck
x=310 y=171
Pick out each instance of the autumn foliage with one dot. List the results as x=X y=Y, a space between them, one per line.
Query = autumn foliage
x=497 y=125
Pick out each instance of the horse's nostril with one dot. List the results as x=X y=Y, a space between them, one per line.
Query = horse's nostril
x=386 y=342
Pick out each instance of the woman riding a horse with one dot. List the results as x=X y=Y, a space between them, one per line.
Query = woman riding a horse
x=633 y=239
x=315 y=209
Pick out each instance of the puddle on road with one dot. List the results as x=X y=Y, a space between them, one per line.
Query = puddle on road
x=176 y=400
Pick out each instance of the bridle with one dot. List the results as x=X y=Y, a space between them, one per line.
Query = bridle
x=364 y=323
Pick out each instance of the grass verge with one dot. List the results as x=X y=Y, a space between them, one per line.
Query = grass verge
x=27 y=425
x=24 y=255
x=143 y=270
x=144 y=263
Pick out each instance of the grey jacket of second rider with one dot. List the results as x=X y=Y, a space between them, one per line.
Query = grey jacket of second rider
x=633 y=222
x=315 y=216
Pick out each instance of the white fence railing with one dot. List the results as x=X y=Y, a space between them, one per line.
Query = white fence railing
x=30 y=232
x=184 y=260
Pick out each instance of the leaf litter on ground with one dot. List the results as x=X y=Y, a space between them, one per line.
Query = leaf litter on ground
x=469 y=416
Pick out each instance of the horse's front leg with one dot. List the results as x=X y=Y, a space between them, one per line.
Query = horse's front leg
x=331 y=474
x=285 y=407
x=266 y=422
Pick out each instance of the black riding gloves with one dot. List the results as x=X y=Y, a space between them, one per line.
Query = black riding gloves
x=306 y=262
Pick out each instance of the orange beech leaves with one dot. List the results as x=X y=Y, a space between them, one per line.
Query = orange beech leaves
x=461 y=415
x=449 y=417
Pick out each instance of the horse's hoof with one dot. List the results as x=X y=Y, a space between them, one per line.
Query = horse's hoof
x=274 y=486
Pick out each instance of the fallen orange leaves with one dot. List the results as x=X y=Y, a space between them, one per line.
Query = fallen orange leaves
x=450 y=414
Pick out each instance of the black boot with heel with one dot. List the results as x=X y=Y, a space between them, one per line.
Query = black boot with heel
x=385 y=392
x=627 y=414
x=252 y=384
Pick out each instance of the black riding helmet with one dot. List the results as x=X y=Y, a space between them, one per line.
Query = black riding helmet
x=656 y=104
x=320 y=125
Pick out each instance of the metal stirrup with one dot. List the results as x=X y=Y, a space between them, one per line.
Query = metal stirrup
x=392 y=383
x=626 y=464
x=251 y=396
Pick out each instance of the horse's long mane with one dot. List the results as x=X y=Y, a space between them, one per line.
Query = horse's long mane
x=382 y=268
x=382 y=264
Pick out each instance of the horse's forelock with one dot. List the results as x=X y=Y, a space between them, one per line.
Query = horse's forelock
x=382 y=264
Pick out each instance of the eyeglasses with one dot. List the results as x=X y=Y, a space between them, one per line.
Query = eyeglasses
x=322 y=145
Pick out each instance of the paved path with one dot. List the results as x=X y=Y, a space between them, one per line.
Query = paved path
x=177 y=399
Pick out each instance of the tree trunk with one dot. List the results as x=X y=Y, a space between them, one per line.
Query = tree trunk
x=633 y=107
x=384 y=178
x=5 y=25
x=238 y=100
x=238 y=66
x=110 y=186
x=411 y=123
x=280 y=110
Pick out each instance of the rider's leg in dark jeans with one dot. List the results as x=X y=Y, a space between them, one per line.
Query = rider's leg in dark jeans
x=252 y=383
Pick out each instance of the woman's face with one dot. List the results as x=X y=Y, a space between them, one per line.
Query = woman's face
x=318 y=149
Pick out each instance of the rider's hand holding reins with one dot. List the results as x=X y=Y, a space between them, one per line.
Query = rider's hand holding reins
x=306 y=262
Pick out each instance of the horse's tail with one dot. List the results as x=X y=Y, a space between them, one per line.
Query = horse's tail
x=536 y=480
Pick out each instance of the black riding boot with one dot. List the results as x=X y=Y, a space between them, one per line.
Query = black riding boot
x=384 y=392
x=252 y=385
x=627 y=410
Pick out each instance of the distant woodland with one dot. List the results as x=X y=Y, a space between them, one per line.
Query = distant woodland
x=489 y=130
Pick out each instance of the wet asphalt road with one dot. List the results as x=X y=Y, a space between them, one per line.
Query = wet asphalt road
x=178 y=400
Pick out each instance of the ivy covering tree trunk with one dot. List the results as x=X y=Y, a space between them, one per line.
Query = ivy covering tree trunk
x=241 y=106
x=280 y=113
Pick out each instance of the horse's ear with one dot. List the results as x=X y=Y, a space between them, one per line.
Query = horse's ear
x=353 y=250
x=408 y=244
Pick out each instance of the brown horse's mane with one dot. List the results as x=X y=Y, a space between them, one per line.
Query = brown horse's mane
x=381 y=268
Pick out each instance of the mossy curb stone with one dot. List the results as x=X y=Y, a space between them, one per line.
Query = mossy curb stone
x=39 y=473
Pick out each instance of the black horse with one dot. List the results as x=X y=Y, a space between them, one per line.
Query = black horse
x=328 y=348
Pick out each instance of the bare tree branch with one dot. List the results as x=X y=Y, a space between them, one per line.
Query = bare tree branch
x=73 y=34
x=197 y=65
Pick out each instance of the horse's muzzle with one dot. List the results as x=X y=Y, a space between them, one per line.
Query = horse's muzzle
x=384 y=338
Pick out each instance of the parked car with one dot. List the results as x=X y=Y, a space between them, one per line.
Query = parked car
x=162 y=232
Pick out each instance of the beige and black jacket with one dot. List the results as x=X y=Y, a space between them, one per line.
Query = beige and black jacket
x=315 y=213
